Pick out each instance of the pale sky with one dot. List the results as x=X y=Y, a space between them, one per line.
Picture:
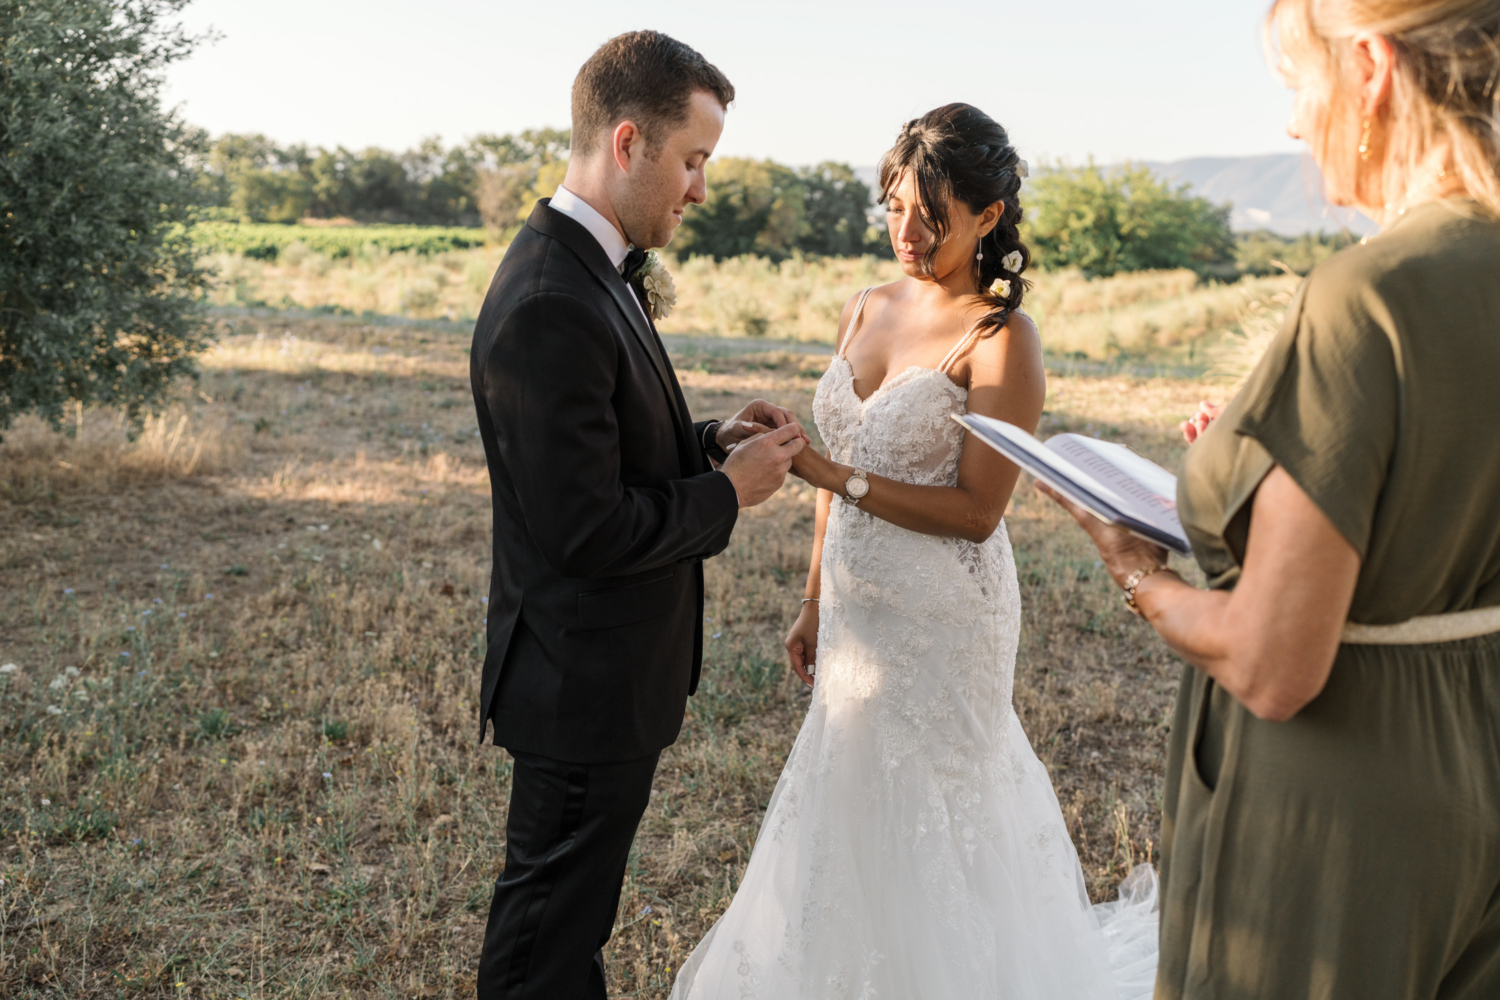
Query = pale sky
x=1152 y=79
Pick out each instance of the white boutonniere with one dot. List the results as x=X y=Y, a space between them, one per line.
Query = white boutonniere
x=1001 y=287
x=661 y=292
x=1012 y=262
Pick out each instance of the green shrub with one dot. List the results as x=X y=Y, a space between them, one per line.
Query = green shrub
x=1107 y=220
x=1265 y=252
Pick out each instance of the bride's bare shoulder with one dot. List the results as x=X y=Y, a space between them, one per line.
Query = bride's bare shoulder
x=1017 y=343
x=879 y=296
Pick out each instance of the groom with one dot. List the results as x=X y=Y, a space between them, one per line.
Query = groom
x=606 y=504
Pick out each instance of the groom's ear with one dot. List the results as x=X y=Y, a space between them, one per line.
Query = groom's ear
x=626 y=143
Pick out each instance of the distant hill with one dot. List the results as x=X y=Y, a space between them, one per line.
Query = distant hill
x=1281 y=192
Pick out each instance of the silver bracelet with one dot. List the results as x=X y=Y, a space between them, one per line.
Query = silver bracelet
x=813 y=599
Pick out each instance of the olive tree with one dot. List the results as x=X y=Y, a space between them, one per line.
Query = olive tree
x=99 y=284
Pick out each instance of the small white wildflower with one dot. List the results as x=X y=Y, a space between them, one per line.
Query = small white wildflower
x=9 y=668
x=58 y=683
x=54 y=710
x=71 y=671
x=46 y=802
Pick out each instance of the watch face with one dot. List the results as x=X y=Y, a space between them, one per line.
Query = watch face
x=857 y=486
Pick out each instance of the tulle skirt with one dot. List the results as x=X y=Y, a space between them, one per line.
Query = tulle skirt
x=910 y=885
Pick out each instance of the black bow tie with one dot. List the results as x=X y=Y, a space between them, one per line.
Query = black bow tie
x=634 y=258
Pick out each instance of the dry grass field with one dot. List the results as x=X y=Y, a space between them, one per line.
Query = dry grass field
x=239 y=660
x=1151 y=313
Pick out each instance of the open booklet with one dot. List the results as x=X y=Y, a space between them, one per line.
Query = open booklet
x=1110 y=481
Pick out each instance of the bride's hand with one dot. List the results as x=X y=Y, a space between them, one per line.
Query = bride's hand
x=758 y=417
x=802 y=642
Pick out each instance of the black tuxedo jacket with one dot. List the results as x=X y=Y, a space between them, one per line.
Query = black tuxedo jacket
x=605 y=507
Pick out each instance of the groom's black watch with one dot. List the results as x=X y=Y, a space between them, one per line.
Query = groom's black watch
x=710 y=442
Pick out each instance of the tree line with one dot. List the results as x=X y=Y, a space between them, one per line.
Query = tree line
x=1102 y=220
x=754 y=206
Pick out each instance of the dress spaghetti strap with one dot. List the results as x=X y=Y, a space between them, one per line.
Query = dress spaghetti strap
x=859 y=307
x=960 y=349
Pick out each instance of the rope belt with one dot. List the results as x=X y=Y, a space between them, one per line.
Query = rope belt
x=1426 y=628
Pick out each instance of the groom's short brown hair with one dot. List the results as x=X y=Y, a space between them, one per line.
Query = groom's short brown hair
x=643 y=76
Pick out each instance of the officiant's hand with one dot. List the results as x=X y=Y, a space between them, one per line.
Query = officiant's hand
x=758 y=417
x=758 y=465
x=1193 y=427
x=1121 y=552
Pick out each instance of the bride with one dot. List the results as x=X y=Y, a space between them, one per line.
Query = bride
x=913 y=848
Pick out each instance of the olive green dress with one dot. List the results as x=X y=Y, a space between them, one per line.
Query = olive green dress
x=1354 y=851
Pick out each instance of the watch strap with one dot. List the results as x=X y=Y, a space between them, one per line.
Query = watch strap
x=710 y=442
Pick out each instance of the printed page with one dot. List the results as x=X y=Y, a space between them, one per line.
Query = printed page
x=1145 y=490
x=1091 y=476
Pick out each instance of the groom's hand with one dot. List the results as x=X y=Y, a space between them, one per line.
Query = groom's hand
x=759 y=464
x=758 y=417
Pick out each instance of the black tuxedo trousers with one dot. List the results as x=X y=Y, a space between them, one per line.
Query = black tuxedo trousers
x=605 y=507
x=567 y=840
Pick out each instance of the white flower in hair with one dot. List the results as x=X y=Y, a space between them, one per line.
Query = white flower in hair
x=1001 y=287
x=1023 y=169
x=661 y=291
x=1012 y=262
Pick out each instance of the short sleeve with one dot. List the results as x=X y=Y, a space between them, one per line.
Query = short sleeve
x=1324 y=403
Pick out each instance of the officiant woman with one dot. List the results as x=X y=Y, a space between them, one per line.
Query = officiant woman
x=1332 y=801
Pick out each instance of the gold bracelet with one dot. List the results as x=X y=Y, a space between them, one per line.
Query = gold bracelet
x=1133 y=581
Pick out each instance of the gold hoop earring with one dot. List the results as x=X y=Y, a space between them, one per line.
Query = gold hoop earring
x=1364 y=142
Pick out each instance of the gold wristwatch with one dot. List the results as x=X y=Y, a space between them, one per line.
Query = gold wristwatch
x=856 y=487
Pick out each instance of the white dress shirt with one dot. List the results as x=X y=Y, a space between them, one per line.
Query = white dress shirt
x=588 y=217
x=609 y=238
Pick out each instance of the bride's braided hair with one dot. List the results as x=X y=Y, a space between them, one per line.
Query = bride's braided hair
x=958 y=151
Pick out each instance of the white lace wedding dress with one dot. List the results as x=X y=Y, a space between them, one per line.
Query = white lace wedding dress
x=913 y=848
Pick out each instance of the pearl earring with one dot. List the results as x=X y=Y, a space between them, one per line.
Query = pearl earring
x=979 y=255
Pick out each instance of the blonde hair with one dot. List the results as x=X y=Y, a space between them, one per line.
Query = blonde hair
x=1445 y=88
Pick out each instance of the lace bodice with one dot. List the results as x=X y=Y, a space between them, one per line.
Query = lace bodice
x=904 y=431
